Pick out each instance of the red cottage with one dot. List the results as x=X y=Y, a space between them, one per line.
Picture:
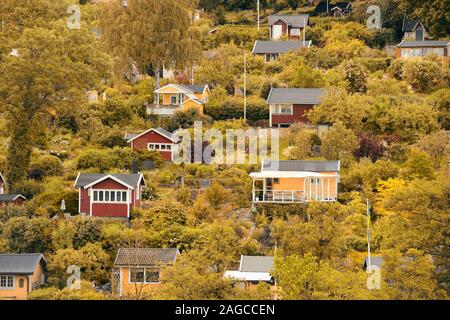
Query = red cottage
x=109 y=195
x=16 y=199
x=290 y=105
x=157 y=139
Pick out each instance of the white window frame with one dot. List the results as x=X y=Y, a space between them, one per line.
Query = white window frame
x=177 y=100
x=277 y=109
x=8 y=277
x=159 y=147
x=109 y=191
x=145 y=275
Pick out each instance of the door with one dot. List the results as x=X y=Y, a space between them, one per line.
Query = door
x=277 y=31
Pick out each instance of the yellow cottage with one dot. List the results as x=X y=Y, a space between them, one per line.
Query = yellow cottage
x=21 y=274
x=179 y=97
x=137 y=271
x=296 y=181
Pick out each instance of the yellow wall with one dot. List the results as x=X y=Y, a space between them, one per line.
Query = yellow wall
x=22 y=293
x=130 y=289
x=192 y=105
x=297 y=184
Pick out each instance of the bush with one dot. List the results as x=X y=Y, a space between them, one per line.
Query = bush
x=48 y=165
x=28 y=188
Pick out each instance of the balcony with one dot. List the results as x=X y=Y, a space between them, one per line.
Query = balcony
x=292 y=196
x=278 y=196
x=163 y=110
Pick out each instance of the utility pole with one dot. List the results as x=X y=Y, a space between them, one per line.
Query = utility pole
x=258 y=13
x=328 y=6
x=245 y=87
x=368 y=234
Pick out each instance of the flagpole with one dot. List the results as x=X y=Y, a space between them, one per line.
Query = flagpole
x=368 y=234
x=245 y=87
x=258 y=14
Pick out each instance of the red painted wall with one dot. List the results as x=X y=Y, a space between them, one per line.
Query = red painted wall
x=17 y=202
x=142 y=142
x=299 y=115
x=107 y=209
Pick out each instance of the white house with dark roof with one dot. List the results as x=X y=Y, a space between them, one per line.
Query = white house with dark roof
x=20 y=274
x=109 y=195
x=290 y=105
x=414 y=30
x=252 y=270
x=296 y=181
x=285 y=25
x=271 y=50
x=179 y=97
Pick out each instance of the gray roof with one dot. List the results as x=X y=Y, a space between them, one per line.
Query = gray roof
x=145 y=256
x=295 y=21
x=409 y=25
x=23 y=263
x=10 y=197
x=262 y=47
x=374 y=261
x=164 y=132
x=85 y=179
x=295 y=96
x=129 y=136
x=195 y=88
x=301 y=165
x=423 y=44
x=256 y=264
x=161 y=131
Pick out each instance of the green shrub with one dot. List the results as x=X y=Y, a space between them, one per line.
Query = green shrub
x=49 y=165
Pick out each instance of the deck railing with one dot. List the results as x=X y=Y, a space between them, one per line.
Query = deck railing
x=290 y=196
x=278 y=196
x=163 y=109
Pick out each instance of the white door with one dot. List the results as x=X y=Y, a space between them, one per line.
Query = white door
x=277 y=31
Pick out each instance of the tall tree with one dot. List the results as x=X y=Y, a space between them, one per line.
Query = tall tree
x=52 y=68
x=150 y=33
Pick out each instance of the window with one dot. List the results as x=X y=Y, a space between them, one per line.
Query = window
x=136 y=275
x=110 y=196
x=282 y=109
x=295 y=32
x=21 y=283
x=173 y=100
x=276 y=180
x=6 y=281
x=152 y=275
x=147 y=275
x=160 y=146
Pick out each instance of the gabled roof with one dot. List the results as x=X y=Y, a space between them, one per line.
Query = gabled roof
x=145 y=256
x=185 y=88
x=409 y=25
x=23 y=263
x=163 y=132
x=296 y=95
x=322 y=6
x=300 y=165
x=342 y=5
x=295 y=21
x=85 y=180
x=256 y=264
x=374 y=261
x=424 y=44
x=10 y=197
x=267 y=46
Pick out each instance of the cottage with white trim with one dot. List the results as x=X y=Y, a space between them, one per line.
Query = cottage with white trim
x=109 y=195
x=296 y=181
